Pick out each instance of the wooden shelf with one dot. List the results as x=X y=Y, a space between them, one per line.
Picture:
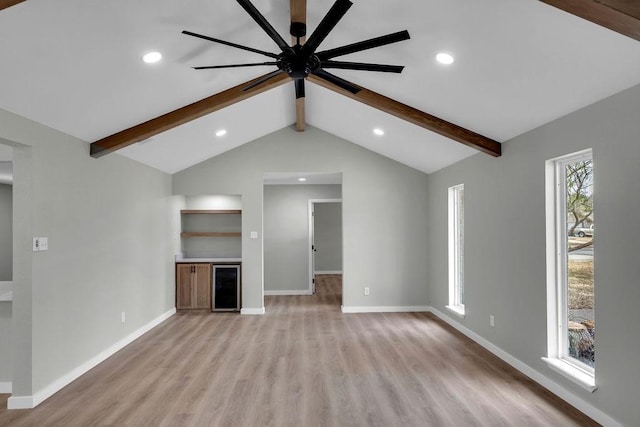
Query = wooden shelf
x=210 y=234
x=200 y=211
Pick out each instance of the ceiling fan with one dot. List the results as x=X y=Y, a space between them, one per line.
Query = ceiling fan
x=299 y=62
x=301 y=59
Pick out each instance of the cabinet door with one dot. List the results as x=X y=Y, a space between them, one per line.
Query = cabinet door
x=184 y=286
x=202 y=284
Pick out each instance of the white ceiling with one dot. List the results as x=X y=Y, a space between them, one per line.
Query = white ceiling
x=74 y=65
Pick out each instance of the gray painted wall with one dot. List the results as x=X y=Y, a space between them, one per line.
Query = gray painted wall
x=110 y=228
x=286 y=234
x=505 y=271
x=328 y=236
x=6 y=233
x=392 y=234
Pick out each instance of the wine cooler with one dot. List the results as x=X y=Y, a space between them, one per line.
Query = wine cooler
x=225 y=295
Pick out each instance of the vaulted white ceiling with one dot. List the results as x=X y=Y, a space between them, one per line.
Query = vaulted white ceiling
x=74 y=65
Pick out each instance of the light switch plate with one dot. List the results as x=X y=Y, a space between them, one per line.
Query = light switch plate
x=36 y=244
x=254 y=234
x=44 y=243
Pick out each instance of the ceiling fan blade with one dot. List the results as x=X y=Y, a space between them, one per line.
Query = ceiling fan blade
x=364 y=45
x=299 y=88
x=238 y=46
x=362 y=66
x=415 y=116
x=263 y=79
x=299 y=15
x=255 y=64
x=264 y=24
x=335 y=14
x=335 y=80
x=300 y=120
x=183 y=115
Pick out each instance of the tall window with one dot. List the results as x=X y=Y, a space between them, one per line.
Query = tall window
x=571 y=254
x=456 y=249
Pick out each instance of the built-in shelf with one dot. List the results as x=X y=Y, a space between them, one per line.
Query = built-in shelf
x=210 y=234
x=215 y=211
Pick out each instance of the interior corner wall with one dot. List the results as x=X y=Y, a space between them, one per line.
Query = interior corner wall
x=111 y=243
x=286 y=234
x=384 y=211
x=6 y=233
x=505 y=268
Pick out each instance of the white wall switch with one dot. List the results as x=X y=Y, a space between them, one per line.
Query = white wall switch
x=366 y=290
x=123 y=317
x=44 y=243
x=36 y=244
x=492 y=320
x=254 y=235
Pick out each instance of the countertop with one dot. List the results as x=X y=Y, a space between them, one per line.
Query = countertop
x=179 y=259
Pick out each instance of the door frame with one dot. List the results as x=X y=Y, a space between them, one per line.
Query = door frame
x=310 y=211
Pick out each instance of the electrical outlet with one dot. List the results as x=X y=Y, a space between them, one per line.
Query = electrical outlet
x=366 y=290
x=123 y=317
x=492 y=320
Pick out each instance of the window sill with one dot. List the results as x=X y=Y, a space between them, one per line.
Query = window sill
x=578 y=376
x=457 y=310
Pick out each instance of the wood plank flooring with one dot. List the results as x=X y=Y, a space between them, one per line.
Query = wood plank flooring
x=304 y=363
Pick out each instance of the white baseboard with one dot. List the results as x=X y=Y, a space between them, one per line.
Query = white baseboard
x=252 y=311
x=20 y=402
x=384 y=309
x=5 y=387
x=527 y=370
x=297 y=292
x=28 y=402
x=329 y=272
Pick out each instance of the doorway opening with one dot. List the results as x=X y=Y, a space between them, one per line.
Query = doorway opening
x=325 y=240
x=288 y=230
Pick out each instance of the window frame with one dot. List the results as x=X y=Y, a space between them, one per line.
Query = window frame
x=456 y=249
x=558 y=357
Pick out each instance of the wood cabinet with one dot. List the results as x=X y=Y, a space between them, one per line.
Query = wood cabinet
x=193 y=286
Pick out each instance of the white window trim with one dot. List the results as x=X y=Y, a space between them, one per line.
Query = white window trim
x=453 y=254
x=555 y=200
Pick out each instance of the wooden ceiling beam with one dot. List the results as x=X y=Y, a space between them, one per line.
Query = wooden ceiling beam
x=417 y=117
x=183 y=115
x=621 y=16
x=8 y=3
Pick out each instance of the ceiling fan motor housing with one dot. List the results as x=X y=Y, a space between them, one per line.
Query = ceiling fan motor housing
x=296 y=64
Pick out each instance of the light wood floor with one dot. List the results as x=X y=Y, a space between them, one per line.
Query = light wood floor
x=302 y=364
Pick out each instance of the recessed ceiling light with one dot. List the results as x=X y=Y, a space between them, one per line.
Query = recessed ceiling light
x=378 y=131
x=152 y=57
x=444 y=58
x=302 y=179
x=221 y=132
